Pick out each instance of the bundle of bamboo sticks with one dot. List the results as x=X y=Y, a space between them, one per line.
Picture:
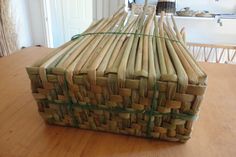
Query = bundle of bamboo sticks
x=125 y=74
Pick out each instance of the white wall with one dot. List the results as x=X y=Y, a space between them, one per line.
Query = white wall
x=19 y=11
x=220 y=6
x=208 y=31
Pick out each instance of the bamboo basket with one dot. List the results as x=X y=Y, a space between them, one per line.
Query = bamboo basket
x=125 y=74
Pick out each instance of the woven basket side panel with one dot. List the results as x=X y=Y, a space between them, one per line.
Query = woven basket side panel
x=168 y=100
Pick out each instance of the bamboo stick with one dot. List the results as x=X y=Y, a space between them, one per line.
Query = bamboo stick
x=143 y=73
x=123 y=64
x=99 y=48
x=44 y=59
x=152 y=75
x=53 y=59
x=178 y=35
x=145 y=62
x=102 y=67
x=182 y=75
x=111 y=68
x=156 y=59
x=202 y=76
x=99 y=58
x=112 y=74
x=163 y=68
x=139 y=60
x=191 y=74
x=118 y=11
x=183 y=34
x=131 y=61
x=171 y=74
x=118 y=59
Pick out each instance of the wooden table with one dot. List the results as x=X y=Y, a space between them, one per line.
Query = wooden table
x=24 y=134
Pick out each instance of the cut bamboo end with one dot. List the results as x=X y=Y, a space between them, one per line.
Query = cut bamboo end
x=32 y=70
x=59 y=71
x=171 y=78
x=141 y=74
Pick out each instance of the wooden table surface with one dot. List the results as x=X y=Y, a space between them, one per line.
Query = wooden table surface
x=24 y=134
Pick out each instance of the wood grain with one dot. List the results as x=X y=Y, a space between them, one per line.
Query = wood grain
x=24 y=134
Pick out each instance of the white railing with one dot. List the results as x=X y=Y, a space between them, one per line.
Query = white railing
x=213 y=53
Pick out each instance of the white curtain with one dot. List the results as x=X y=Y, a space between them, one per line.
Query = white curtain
x=8 y=37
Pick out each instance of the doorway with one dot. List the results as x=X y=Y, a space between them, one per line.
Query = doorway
x=64 y=19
